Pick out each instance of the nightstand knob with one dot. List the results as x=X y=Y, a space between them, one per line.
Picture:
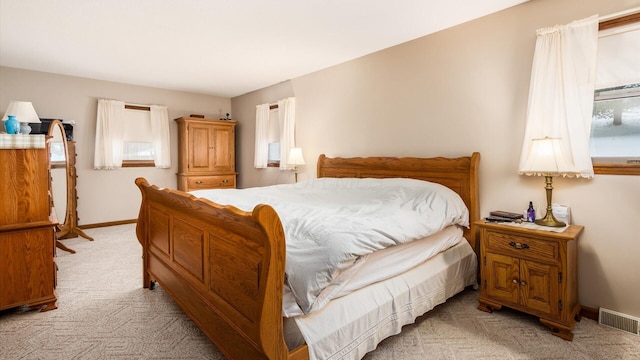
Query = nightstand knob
x=519 y=245
x=523 y=283
x=515 y=281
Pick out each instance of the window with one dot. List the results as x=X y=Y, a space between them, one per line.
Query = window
x=615 y=127
x=137 y=145
x=131 y=135
x=275 y=127
x=273 y=159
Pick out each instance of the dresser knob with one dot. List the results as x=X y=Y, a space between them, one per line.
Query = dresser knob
x=523 y=283
x=199 y=182
x=515 y=281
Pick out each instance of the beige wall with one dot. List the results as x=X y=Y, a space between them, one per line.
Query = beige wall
x=461 y=90
x=104 y=195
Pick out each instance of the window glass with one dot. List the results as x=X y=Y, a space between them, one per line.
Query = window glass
x=138 y=143
x=615 y=127
x=273 y=159
x=137 y=151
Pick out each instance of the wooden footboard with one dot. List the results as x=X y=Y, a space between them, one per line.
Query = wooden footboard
x=223 y=266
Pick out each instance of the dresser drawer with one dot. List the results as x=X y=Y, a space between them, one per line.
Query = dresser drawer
x=209 y=182
x=522 y=246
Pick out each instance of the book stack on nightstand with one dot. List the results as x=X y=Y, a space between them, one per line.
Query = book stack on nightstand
x=504 y=216
x=531 y=270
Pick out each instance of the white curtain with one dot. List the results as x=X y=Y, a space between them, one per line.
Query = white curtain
x=287 y=120
x=159 y=117
x=561 y=90
x=261 y=156
x=110 y=129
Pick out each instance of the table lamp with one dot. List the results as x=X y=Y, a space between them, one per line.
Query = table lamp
x=295 y=159
x=23 y=112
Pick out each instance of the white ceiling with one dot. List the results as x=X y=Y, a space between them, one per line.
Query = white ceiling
x=218 y=47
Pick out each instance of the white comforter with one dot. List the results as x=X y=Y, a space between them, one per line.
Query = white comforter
x=331 y=223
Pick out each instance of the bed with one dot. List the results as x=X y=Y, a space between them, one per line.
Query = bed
x=225 y=267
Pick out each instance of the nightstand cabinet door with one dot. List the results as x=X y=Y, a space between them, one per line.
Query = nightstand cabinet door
x=501 y=280
x=539 y=287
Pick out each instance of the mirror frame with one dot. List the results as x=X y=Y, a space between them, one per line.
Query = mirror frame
x=63 y=224
x=69 y=226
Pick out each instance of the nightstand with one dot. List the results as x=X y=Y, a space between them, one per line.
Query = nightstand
x=533 y=271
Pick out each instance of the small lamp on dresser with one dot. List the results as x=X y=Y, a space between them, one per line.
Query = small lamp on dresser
x=24 y=113
x=547 y=158
x=295 y=159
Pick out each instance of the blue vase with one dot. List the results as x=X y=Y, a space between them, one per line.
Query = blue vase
x=12 y=125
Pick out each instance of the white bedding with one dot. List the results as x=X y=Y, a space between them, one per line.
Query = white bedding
x=386 y=263
x=332 y=224
x=350 y=326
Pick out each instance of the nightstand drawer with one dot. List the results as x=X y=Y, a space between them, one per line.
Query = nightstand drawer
x=522 y=246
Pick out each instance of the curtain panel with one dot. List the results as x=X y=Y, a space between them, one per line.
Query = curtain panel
x=159 y=117
x=261 y=155
x=109 y=135
x=287 y=120
x=561 y=90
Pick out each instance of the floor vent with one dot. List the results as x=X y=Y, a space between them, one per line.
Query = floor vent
x=619 y=321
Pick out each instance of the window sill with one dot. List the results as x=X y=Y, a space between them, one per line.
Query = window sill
x=617 y=169
x=138 y=163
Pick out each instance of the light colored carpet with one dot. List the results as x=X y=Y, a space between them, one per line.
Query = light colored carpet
x=104 y=313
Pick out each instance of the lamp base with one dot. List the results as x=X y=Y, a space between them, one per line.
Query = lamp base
x=25 y=128
x=550 y=220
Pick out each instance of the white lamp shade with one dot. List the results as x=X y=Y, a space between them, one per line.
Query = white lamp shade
x=23 y=111
x=547 y=158
x=295 y=157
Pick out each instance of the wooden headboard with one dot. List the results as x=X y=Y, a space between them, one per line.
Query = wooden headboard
x=459 y=174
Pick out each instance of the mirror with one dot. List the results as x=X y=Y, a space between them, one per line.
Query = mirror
x=63 y=184
x=58 y=160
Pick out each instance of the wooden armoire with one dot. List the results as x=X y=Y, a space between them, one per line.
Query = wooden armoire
x=27 y=224
x=206 y=153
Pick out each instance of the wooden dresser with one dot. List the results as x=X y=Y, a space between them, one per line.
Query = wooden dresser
x=27 y=224
x=533 y=271
x=206 y=154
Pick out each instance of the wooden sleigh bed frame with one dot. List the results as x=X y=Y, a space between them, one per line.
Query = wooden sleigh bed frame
x=225 y=267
